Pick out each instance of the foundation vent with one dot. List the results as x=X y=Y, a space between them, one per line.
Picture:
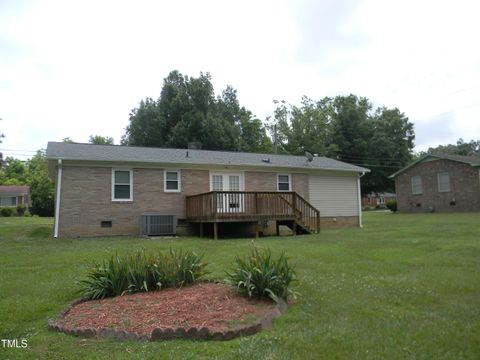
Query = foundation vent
x=156 y=225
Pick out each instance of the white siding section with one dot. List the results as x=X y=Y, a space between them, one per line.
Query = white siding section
x=334 y=195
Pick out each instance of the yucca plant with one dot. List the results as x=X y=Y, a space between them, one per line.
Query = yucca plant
x=139 y=272
x=260 y=275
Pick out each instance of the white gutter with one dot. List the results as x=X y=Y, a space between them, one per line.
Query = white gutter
x=57 y=199
x=359 y=201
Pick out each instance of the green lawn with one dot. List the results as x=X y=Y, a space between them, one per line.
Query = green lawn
x=404 y=286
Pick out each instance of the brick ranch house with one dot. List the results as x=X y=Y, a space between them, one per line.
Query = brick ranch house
x=105 y=190
x=14 y=195
x=440 y=183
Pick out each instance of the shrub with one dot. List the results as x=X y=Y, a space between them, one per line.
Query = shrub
x=140 y=272
x=260 y=275
x=392 y=205
x=6 y=211
x=21 y=210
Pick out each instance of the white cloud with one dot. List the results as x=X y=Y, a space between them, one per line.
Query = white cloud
x=77 y=68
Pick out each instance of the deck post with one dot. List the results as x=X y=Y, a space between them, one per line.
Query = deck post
x=294 y=204
x=215 y=230
x=201 y=229
x=257 y=230
x=214 y=204
x=277 y=228
x=318 y=222
x=294 y=227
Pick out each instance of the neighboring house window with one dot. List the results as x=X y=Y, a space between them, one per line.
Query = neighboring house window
x=8 y=201
x=283 y=182
x=417 y=185
x=171 y=181
x=443 y=182
x=122 y=185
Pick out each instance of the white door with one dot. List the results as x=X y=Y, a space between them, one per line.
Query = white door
x=228 y=203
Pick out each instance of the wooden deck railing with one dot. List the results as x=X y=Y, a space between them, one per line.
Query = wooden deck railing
x=251 y=206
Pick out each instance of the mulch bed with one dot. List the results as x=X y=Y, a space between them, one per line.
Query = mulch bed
x=204 y=310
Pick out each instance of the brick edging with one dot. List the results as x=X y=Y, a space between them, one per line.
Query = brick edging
x=169 y=333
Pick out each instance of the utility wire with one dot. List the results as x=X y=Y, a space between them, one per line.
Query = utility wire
x=464 y=89
x=25 y=150
x=378 y=166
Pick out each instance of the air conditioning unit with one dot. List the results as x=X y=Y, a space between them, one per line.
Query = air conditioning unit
x=155 y=225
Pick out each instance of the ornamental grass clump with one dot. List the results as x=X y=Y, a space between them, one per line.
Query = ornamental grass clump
x=260 y=275
x=141 y=272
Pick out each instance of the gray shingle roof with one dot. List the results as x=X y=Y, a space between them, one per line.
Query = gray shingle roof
x=14 y=189
x=469 y=160
x=116 y=153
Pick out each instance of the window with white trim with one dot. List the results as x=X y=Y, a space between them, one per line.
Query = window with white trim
x=443 y=180
x=171 y=181
x=122 y=184
x=417 y=187
x=283 y=182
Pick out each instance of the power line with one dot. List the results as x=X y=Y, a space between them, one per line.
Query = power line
x=360 y=157
x=464 y=89
x=18 y=150
x=369 y=158
x=450 y=111
x=378 y=166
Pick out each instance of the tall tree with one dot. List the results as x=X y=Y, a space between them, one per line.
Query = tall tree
x=349 y=129
x=390 y=148
x=14 y=172
x=146 y=126
x=350 y=126
x=41 y=187
x=302 y=128
x=187 y=110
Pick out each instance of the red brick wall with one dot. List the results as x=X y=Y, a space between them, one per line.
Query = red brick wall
x=86 y=200
x=464 y=194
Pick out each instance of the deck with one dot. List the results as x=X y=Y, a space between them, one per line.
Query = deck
x=286 y=208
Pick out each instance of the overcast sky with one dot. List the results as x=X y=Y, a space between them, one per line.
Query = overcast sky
x=77 y=68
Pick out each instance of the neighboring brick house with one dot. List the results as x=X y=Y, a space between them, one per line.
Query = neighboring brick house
x=14 y=195
x=439 y=183
x=117 y=190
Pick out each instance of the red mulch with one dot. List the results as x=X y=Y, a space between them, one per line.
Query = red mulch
x=213 y=305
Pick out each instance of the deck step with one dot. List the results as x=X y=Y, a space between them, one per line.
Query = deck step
x=296 y=226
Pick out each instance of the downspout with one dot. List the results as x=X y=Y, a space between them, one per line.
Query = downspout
x=359 y=201
x=57 y=199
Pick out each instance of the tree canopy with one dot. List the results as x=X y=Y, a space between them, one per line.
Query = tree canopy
x=347 y=128
x=100 y=140
x=33 y=172
x=187 y=110
x=460 y=148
